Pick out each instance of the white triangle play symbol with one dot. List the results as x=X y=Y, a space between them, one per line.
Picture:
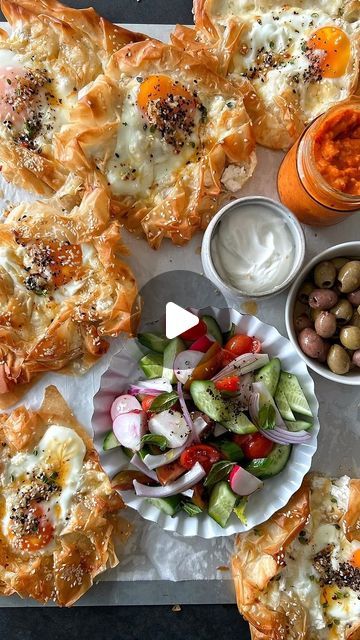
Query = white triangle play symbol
x=178 y=320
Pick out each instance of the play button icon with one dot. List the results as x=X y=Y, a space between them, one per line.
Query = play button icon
x=178 y=320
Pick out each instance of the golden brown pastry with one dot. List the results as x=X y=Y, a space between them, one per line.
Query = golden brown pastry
x=297 y=576
x=63 y=286
x=301 y=57
x=50 y=54
x=57 y=505
x=172 y=138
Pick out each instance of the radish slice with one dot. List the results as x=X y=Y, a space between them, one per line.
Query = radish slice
x=129 y=428
x=137 y=462
x=172 y=425
x=124 y=404
x=202 y=344
x=242 y=482
x=187 y=481
x=185 y=363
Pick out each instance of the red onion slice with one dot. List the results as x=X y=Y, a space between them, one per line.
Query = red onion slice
x=155 y=461
x=187 y=481
x=184 y=408
x=137 y=462
x=246 y=363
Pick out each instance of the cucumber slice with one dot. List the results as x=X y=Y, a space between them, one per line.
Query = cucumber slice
x=290 y=386
x=110 y=441
x=269 y=374
x=298 y=425
x=208 y=400
x=283 y=405
x=168 y=505
x=221 y=503
x=239 y=423
x=153 y=341
x=273 y=464
x=229 y=334
x=171 y=350
x=152 y=365
x=213 y=328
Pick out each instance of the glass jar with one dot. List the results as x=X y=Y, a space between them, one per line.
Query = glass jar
x=301 y=186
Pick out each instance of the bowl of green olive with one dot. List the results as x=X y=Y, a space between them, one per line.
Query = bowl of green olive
x=322 y=313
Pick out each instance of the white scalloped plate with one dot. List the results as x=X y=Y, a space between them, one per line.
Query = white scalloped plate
x=276 y=492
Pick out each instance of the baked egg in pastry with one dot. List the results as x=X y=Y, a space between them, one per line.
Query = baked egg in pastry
x=57 y=506
x=50 y=53
x=172 y=138
x=63 y=286
x=301 y=57
x=297 y=576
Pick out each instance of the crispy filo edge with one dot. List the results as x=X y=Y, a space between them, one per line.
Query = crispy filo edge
x=201 y=187
x=85 y=547
x=259 y=556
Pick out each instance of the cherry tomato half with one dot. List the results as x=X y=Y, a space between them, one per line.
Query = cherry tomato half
x=239 y=344
x=147 y=402
x=203 y=453
x=254 y=445
x=196 y=332
x=230 y=383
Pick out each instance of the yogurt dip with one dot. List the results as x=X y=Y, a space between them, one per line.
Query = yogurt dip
x=253 y=248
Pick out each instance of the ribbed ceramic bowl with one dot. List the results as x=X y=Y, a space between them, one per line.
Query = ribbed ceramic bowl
x=276 y=491
x=344 y=250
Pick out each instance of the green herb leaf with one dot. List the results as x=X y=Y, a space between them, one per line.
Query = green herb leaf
x=239 y=510
x=267 y=417
x=231 y=450
x=159 y=441
x=272 y=44
x=191 y=509
x=164 y=401
x=219 y=471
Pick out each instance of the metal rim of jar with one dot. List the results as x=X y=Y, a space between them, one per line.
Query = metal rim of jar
x=208 y=263
x=306 y=165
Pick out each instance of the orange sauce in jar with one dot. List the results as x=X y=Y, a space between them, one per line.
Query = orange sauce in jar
x=319 y=179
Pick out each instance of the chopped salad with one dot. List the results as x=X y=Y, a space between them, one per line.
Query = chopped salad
x=213 y=418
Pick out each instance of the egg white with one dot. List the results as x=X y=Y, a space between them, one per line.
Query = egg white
x=142 y=159
x=284 y=32
x=300 y=577
x=60 y=450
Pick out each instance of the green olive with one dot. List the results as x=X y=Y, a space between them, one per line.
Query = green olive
x=324 y=275
x=338 y=359
x=339 y=262
x=349 y=276
x=304 y=292
x=350 y=337
x=314 y=314
x=355 y=319
x=342 y=311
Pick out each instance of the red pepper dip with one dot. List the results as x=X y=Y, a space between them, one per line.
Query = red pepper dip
x=337 y=151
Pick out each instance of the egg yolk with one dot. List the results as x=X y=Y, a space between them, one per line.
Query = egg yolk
x=160 y=88
x=334 y=46
x=43 y=530
x=168 y=107
x=355 y=560
x=53 y=264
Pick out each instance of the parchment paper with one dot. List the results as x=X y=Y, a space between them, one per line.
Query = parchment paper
x=151 y=553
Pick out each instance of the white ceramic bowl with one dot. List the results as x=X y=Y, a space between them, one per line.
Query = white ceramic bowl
x=276 y=491
x=230 y=291
x=351 y=249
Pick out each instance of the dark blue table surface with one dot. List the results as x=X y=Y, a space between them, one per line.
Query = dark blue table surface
x=205 y=622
